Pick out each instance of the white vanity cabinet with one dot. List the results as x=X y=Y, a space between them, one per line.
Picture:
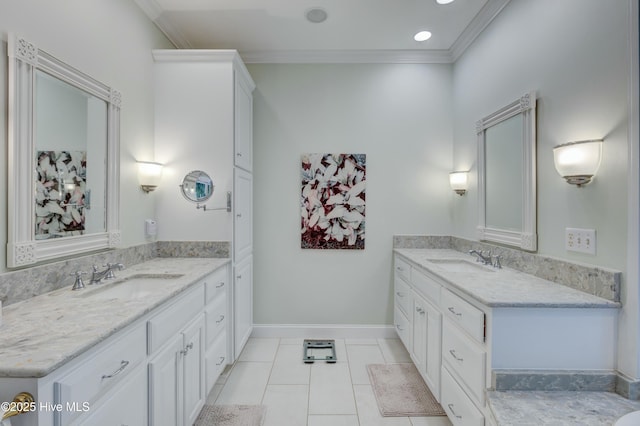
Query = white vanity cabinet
x=100 y=378
x=403 y=303
x=464 y=360
x=418 y=320
x=217 y=352
x=176 y=365
x=466 y=327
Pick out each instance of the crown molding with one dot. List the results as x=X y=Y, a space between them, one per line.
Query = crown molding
x=384 y=56
x=346 y=57
x=155 y=12
x=487 y=14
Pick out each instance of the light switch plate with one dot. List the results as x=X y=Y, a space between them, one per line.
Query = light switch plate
x=580 y=240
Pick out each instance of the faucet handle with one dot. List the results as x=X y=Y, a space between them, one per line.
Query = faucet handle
x=78 y=284
x=496 y=261
x=110 y=267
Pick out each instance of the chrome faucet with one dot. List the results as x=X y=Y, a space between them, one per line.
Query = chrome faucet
x=481 y=256
x=78 y=283
x=487 y=258
x=107 y=274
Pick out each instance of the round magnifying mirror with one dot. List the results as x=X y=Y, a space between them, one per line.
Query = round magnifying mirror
x=197 y=186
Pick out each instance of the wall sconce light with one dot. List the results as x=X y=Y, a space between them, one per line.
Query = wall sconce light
x=458 y=182
x=578 y=162
x=149 y=175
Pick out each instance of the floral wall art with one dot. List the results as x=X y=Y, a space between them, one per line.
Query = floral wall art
x=60 y=193
x=332 y=201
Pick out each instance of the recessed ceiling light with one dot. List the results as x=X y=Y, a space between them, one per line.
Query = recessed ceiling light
x=316 y=15
x=422 y=36
x=444 y=1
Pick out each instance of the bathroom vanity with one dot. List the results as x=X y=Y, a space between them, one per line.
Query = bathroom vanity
x=143 y=348
x=464 y=323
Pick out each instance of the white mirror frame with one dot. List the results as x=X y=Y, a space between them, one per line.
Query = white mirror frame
x=22 y=247
x=528 y=238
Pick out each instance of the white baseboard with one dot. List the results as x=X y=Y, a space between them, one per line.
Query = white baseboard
x=325 y=331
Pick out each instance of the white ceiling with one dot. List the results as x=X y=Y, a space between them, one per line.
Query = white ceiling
x=355 y=31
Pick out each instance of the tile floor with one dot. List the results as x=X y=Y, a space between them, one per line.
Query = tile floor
x=271 y=372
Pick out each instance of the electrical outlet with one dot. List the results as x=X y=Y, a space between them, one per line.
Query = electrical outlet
x=580 y=240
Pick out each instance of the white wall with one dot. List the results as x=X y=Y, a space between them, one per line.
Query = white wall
x=574 y=53
x=400 y=117
x=194 y=131
x=111 y=40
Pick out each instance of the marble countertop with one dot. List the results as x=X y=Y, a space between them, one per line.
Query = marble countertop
x=41 y=334
x=538 y=408
x=501 y=287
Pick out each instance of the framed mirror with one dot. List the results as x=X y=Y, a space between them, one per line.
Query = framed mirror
x=63 y=168
x=507 y=175
x=197 y=186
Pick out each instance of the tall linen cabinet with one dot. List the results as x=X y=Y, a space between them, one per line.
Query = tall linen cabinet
x=204 y=121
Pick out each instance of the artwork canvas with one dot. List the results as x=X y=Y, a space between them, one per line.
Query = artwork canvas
x=332 y=201
x=61 y=180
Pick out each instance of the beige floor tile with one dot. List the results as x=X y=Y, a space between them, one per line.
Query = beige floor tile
x=359 y=357
x=368 y=412
x=288 y=368
x=330 y=390
x=246 y=383
x=259 y=350
x=333 y=420
x=286 y=405
x=393 y=351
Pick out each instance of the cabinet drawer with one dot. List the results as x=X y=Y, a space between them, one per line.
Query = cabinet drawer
x=425 y=285
x=124 y=405
x=94 y=376
x=215 y=285
x=403 y=295
x=465 y=358
x=216 y=319
x=458 y=406
x=403 y=328
x=402 y=268
x=169 y=322
x=467 y=316
x=216 y=360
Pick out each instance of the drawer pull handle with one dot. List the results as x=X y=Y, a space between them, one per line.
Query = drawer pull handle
x=399 y=268
x=420 y=310
x=400 y=294
x=453 y=412
x=220 y=285
x=399 y=328
x=239 y=154
x=123 y=365
x=239 y=277
x=453 y=311
x=220 y=320
x=187 y=349
x=221 y=361
x=453 y=354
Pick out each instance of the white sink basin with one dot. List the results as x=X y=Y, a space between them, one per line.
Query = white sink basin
x=133 y=287
x=459 y=265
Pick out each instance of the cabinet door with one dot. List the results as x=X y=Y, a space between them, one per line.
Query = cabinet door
x=243 y=304
x=419 y=352
x=125 y=405
x=165 y=385
x=242 y=217
x=434 y=348
x=243 y=124
x=193 y=367
x=427 y=342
